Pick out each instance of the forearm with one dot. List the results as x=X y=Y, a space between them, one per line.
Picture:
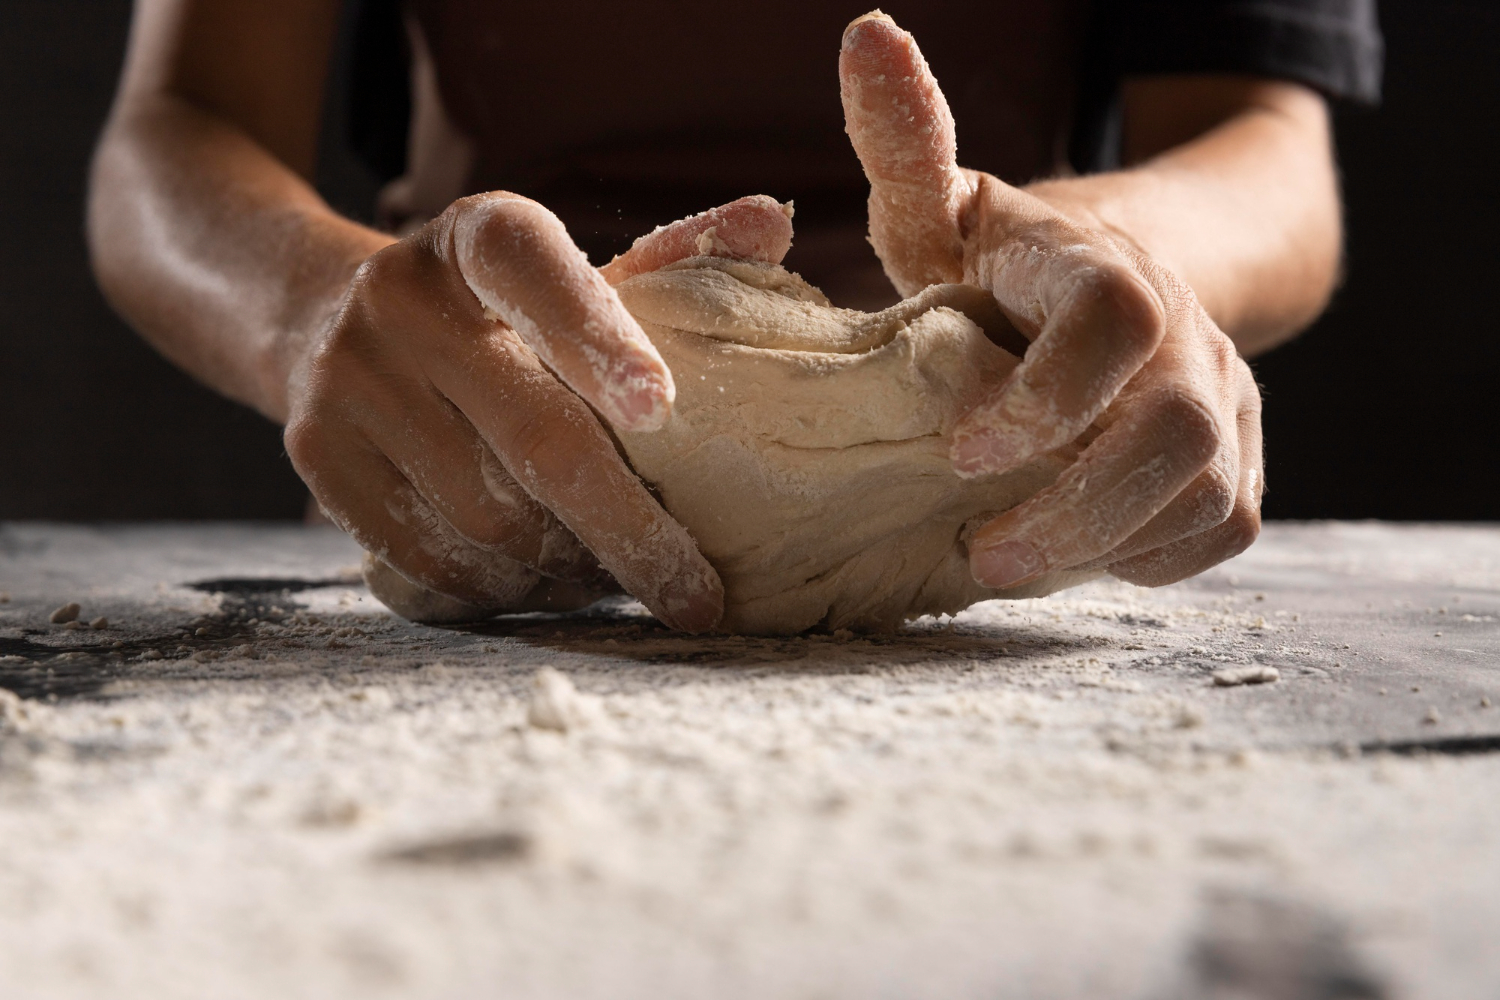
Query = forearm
x=220 y=255
x=1246 y=213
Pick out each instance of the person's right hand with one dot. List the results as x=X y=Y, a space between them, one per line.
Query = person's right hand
x=443 y=416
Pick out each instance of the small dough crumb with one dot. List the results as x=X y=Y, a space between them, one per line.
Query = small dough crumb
x=68 y=612
x=101 y=623
x=554 y=701
x=1235 y=676
x=375 y=696
x=709 y=242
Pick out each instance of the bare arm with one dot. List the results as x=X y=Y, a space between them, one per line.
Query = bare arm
x=1231 y=185
x=204 y=230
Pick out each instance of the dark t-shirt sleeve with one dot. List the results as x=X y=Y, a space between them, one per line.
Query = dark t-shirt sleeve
x=1334 y=46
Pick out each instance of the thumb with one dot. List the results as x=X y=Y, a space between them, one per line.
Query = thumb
x=902 y=131
x=753 y=228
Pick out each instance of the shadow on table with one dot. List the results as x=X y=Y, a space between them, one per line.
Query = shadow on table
x=621 y=629
x=224 y=645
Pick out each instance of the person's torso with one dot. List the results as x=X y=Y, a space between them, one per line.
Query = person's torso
x=621 y=117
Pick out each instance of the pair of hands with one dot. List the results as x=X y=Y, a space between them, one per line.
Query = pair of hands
x=463 y=452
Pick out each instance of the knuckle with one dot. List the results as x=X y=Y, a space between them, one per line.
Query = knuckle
x=1240 y=531
x=371 y=272
x=1227 y=356
x=389 y=287
x=489 y=530
x=1189 y=421
x=382 y=271
x=339 y=376
x=316 y=457
x=499 y=217
x=399 y=298
x=1228 y=368
x=549 y=447
x=1177 y=297
x=1138 y=316
x=1215 y=499
x=347 y=339
x=307 y=443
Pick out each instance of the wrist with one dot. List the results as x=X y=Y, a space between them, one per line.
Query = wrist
x=1246 y=215
x=312 y=305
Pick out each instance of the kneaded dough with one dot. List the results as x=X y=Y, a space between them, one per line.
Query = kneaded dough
x=807 y=452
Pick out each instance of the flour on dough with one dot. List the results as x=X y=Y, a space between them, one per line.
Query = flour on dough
x=807 y=452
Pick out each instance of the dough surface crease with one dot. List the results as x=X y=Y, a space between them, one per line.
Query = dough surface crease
x=807 y=452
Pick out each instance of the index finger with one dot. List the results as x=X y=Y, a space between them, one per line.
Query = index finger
x=519 y=261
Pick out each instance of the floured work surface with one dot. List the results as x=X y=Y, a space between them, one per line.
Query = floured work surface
x=1050 y=798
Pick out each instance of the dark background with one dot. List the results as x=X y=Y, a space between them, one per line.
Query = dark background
x=1384 y=409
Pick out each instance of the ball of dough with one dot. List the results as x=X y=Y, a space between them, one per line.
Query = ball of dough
x=807 y=452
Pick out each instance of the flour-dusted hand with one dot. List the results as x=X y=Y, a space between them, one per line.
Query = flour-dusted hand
x=1171 y=484
x=443 y=418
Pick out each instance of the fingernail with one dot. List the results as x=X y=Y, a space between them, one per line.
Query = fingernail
x=645 y=409
x=643 y=399
x=1006 y=564
x=874 y=15
x=985 y=451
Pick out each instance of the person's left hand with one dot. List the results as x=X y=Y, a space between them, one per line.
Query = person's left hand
x=1172 y=483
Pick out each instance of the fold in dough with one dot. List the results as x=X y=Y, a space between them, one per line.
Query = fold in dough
x=807 y=452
